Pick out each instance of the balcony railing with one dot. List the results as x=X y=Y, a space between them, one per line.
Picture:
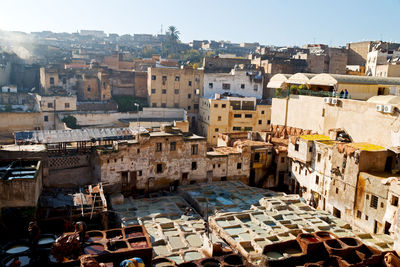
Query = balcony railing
x=283 y=93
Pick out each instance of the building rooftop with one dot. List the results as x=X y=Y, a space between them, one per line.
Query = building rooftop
x=76 y=135
x=366 y=146
x=30 y=148
x=333 y=79
x=314 y=137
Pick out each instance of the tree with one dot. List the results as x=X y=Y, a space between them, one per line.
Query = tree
x=171 y=42
x=147 y=51
x=71 y=122
x=173 y=34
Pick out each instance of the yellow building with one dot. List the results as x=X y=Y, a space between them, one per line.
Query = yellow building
x=176 y=88
x=232 y=114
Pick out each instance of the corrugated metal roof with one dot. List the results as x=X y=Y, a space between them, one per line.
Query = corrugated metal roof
x=76 y=135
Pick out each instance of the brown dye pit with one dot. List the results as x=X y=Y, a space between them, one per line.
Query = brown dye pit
x=311 y=239
x=114 y=234
x=233 y=260
x=95 y=236
x=133 y=232
x=116 y=245
x=324 y=235
x=138 y=244
x=349 y=241
x=187 y=264
x=210 y=263
x=94 y=249
x=333 y=243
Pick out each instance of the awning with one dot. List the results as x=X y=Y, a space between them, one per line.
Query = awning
x=275 y=84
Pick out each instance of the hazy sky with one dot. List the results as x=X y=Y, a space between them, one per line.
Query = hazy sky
x=276 y=22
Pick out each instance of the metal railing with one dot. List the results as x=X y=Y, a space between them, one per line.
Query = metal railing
x=284 y=93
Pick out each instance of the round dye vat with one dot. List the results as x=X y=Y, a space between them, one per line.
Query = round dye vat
x=274 y=255
x=94 y=249
x=311 y=239
x=210 y=263
x=17 y=249
x=46 y=241
x=233 y=260
x=139 y=244
x=23 y=259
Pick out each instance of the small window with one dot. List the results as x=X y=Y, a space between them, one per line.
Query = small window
x=223 y=106
x=316 y=179
x=282 y=159
x=158 y=147
x=196 y=106
x=259 y=121
x=176 y=105
x=189 y=96
x=215 y=105
x=237 y=128
x=216 y=129
x=374 y=202
x=46 y=118
x=219 y=165
x=296 y=147
x=337 y=190
x=89 y=89
x=257 y=157
x=139 y=173
x=237 y=115
x=153 y=77
x=239 y=166
x=195 y=149
x=394 y=201
x=138 y=151
x=359 y=214
x=219 y=118
x=64 y=81
x=210 y=85
x=248 y=128
x=256 y=87
x=366 y=217
x=189 y=108
x=319 y=157
x=262 y=111
x=177 y=78
x=226 y=86
x=164 y=91
x=50 y=105
x=153 y=91
x=366 y=196
x=159 y=168
x=190 y=83
x=242 y=86
x=154 y=105
x=194 y=165
x=213 y=166
x=248 y=115
x=176 y=91
x=172 y=146
x=164 y=78
x=51 y=80
x=163 y=105
x=66 y=105
x=268 y=122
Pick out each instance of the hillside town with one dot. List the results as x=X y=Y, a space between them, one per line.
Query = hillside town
x=151 y=151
